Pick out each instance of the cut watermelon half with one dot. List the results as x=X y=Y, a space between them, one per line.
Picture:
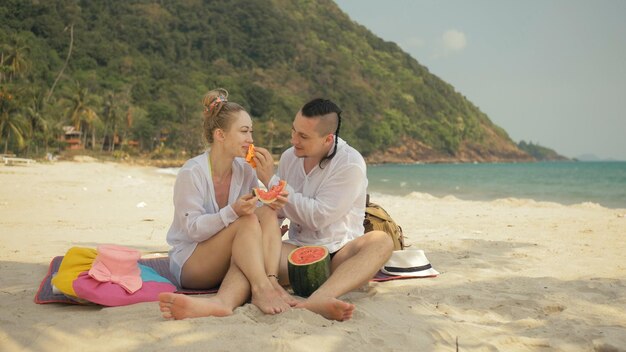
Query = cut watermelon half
x=308 y=268
x=270 y=195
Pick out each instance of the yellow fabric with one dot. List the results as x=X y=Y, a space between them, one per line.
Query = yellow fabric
x=75 y=261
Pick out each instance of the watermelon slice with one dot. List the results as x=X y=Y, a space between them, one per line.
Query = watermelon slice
x=250 y=156
x=271 y=195
x=308 y=268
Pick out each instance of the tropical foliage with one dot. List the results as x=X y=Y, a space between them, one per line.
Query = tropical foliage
x=136 y=71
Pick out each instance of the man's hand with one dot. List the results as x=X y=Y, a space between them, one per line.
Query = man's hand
x=245 y=205
x=280 y=201
x=264 y=165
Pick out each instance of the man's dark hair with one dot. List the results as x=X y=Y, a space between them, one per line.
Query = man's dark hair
x=326 y=110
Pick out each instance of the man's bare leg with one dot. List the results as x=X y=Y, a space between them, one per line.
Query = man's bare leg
x=352 y=267
x=233 y=292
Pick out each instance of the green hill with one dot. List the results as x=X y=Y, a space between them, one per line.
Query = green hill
x=138 y=69
x=540 y=152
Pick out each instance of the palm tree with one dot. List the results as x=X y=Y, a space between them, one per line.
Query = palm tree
x=4 y=69
x=91 y=119
x=14 y=61
x=67 y=59
x=35 y=116
x=75 y=102
x=81 y=112
x=12 y=124
x=112 y=115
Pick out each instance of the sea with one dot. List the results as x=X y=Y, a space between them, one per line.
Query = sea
x=603 y=183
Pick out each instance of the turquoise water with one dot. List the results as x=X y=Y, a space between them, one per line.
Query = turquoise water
x=562 y=182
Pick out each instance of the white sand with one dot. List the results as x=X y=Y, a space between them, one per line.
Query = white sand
x=516 y=275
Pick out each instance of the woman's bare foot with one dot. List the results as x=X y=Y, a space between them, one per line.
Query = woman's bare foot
x=268 y=300
x=328 y=307
x=289 y=299
x=177 y=306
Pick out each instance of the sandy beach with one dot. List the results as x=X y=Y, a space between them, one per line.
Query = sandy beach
x=516 y=275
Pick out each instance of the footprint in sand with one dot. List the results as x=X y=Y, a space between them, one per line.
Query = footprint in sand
x=552 y=309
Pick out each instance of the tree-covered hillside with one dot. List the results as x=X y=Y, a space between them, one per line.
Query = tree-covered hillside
x=135 y=72
x=540 y=152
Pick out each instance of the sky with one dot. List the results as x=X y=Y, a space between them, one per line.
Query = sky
x=551 y=72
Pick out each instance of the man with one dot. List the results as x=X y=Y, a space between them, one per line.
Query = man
x=327 y=185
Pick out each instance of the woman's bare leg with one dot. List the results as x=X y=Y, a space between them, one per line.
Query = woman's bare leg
x=233 y=292
x=272 y=246
x=241 y=243
x=249 y=257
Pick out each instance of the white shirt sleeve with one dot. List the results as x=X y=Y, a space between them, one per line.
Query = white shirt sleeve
x=189 y=208
x=332 y=202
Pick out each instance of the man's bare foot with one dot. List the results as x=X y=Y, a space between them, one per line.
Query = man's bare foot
x=328 y=307
x=177 y=306
x=289 y=299
x=268 y=300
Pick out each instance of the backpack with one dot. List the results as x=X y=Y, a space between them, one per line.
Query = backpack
x=376 y=218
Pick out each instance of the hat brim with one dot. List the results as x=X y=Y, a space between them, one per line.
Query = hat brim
x=409 y=263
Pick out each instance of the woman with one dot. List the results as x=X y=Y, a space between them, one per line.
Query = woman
x=219 y=236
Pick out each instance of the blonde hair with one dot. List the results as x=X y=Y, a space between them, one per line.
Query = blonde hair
x=218 y=112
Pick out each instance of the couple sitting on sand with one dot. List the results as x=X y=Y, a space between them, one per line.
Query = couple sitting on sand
x=219 y=236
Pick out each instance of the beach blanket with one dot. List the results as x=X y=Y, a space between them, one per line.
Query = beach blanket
x=46 y=295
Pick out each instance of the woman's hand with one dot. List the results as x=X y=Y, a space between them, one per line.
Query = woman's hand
x=245 y=205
